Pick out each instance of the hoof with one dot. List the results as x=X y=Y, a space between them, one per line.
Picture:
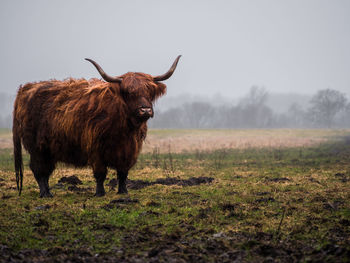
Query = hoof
x=99 y=194
x=46 y=195
x=122 y=191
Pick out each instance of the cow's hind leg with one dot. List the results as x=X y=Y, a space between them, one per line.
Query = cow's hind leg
x=122 y=176
x=42 y=168
x=100 y=173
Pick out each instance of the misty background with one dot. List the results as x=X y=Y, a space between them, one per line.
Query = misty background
x=245 y=64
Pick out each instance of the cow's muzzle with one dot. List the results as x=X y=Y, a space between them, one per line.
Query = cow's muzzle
x=145 y=112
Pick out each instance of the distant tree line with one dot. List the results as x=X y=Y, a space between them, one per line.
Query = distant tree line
x=328 y=109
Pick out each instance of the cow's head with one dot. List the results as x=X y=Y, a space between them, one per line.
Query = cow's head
x=139 y=90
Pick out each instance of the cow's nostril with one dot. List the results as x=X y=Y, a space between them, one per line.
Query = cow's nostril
x=145 y=110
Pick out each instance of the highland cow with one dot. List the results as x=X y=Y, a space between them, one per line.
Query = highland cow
x=82 y=122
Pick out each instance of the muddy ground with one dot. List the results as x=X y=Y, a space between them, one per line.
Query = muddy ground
x=184 y=246
x=181 y=247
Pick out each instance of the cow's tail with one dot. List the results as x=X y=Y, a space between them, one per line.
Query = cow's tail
x=17 y=153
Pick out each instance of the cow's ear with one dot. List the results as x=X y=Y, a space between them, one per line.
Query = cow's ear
x=160 y=90
x=124 y=92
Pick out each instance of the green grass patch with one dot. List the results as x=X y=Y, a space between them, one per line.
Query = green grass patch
x=261 y=199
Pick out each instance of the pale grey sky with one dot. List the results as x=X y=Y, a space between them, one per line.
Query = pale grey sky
x=227 y=46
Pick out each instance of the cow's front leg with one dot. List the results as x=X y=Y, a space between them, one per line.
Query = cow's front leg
x=100 y=173
x=122 y=176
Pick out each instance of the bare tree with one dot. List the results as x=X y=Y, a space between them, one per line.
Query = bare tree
x=256 y=97
x=254 y=112
x=171 y=118
x=198 y=114
x=296 y=115
x=325 y=105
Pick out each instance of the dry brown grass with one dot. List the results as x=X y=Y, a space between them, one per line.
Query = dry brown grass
x=178 y=141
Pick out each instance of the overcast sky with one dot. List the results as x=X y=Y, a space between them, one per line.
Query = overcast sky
x=227 y=46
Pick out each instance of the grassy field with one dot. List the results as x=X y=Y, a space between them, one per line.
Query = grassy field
x=194 y=196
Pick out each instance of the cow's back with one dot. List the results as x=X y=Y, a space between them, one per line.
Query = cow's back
x=35 y=107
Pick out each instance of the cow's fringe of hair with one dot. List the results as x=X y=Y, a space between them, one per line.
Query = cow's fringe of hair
x=93 y=108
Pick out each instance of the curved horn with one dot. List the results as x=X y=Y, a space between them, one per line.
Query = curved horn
x=103 y=74
x=169 y=73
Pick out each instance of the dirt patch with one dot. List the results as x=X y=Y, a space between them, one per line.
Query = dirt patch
x=333 y=205
x=75 y=188
x=139 y=184
x=4 y=196
x=154 y=204
x=262 y=193
x=42 y=207
x=342 y=177
x=265 y=200
x=189 y=182
x=112 y=183
x=119 y=203
x=278 y=179
x=73 y=180
x=229 y=207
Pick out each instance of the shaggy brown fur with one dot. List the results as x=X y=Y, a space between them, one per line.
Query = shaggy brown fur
x=83 y=122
